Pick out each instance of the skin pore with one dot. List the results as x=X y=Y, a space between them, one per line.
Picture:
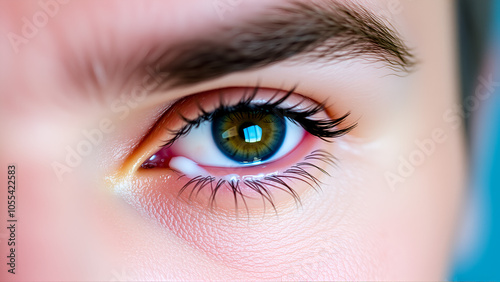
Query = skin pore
x=387 y=210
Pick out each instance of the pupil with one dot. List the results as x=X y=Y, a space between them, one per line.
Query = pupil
x=248 y=136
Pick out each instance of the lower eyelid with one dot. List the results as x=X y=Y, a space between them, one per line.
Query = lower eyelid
x=171 y=183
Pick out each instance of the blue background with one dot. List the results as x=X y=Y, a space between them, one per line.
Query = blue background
x=478 y=249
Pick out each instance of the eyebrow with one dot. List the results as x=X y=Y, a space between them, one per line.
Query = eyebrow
x=330 y=31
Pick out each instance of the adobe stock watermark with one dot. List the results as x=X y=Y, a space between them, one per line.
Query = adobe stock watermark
x=313 y=267
x=221 y=7
x=392 y=8
x=309 y=268
x=123 y=275
x=407 y=164
x=31 y=26
x=120 y=109
x=426 y=147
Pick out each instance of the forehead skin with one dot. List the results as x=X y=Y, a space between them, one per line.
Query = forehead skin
x=361 y=228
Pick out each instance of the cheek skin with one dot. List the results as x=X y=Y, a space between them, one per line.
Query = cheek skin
x=274 y=247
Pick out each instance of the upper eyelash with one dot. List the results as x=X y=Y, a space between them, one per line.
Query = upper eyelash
x=322 y=128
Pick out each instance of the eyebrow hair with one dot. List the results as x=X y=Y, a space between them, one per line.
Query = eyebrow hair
x=332 y=32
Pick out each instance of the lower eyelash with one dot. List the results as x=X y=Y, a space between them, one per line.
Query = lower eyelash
x=297 y=172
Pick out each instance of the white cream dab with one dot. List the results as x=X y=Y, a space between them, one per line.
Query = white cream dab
x=187 y=167
x=192 y=169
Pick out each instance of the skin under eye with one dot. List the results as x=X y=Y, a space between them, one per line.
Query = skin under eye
x=243 y=145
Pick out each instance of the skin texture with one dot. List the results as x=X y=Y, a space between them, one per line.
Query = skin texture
x=105 y=220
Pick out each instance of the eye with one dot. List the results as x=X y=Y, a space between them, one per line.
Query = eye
x=233 y=138
x=244 y=143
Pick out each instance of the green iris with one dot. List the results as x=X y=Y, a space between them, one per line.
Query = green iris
x=248 y=136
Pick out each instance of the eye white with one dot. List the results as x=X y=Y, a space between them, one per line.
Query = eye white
x=199 y=146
